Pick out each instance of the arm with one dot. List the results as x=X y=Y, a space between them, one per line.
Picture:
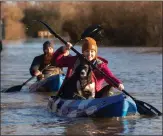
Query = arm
x=108 y=72
x=35 y=65
x=63 y=61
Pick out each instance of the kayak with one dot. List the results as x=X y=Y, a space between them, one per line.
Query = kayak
x=52 y=83
x=118 y=105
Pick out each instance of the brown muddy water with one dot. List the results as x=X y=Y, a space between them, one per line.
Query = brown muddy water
x=24 y=113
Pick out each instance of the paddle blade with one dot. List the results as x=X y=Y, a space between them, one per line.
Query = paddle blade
x=94 y=31
x=13 y=89
x=147 y=109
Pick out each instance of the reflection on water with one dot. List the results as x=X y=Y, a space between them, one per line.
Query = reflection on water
x=32 y=120
x=25 y=113
x=37 y=120
x=101 y=126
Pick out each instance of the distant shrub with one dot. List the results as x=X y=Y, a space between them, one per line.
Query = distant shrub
x=14 y=28
x=125 y=23
x=46 y=14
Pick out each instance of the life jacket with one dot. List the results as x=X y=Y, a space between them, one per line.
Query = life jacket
x=97 y=62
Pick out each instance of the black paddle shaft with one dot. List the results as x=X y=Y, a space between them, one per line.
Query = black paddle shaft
x=35 y=76
x=143 y=108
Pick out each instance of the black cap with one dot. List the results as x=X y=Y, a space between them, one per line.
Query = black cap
x=46 y=45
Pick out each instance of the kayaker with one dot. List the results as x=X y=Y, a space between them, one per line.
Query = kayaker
x=41 y=61
x=90 y=51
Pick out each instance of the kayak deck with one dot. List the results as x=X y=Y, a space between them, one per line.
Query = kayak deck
x=112 y=106
x=52 y=83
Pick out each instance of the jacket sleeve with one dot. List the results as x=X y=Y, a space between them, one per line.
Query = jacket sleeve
x=35 y=65
x=63 y=61
x=108 y=73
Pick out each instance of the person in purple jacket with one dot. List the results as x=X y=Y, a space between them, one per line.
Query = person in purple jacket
x=90 y=51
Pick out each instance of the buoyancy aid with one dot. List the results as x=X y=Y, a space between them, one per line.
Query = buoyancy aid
x=96 y=62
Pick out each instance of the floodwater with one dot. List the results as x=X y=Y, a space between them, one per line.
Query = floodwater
x=25 y=113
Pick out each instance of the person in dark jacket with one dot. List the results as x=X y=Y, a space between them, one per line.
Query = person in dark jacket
x=40 y=65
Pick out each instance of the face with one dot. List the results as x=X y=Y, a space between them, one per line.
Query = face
x=49 y=50
x=84 y=70
x=89 y=54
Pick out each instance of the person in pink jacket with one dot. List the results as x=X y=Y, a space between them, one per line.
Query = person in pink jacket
x=90 y=51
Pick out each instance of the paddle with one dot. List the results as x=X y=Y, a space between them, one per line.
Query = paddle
x=143 y=107
x=91 y=31
x=19 y=87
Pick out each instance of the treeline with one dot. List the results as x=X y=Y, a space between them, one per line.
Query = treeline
x=124 y=23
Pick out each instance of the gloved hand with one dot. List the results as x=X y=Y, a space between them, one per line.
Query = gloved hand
x=121 y=87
